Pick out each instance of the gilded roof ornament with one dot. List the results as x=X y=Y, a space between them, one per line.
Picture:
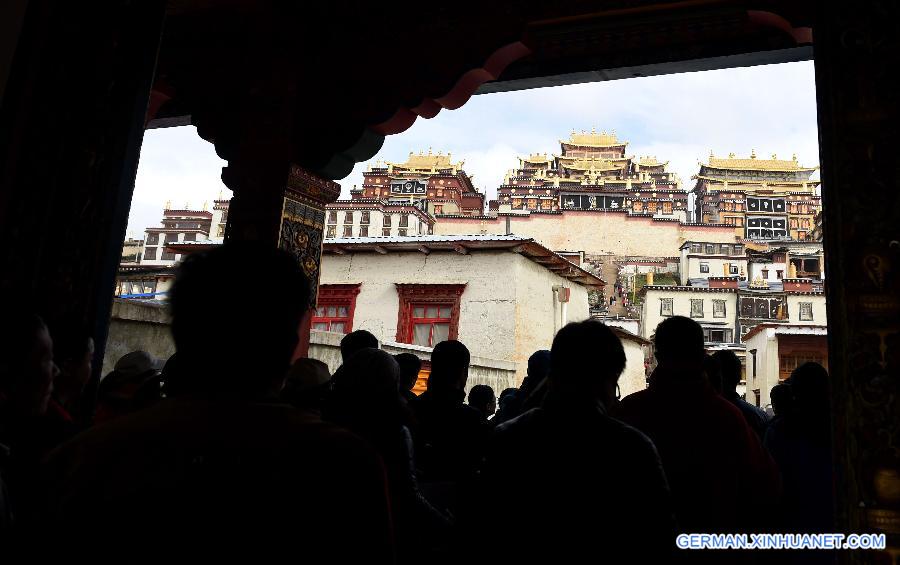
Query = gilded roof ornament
x=753 y=153
x=168 y=205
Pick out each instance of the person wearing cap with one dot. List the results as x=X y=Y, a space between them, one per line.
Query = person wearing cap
x=133 y=384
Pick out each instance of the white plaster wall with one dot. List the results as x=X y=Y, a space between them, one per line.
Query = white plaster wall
x=766 y=345
x=681 y=305
x=594 y=232
x=634 y=376
x=820 y=317
x=716 y=267
x=757 y=268
x=487 y=306
x=506 y=311
x=633 y=326
x=376 y=223
x=536 y=310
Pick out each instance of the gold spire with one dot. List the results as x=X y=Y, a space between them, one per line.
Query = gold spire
x=205 y=205
x=753 y=153
x=168 y=205
x=774 y=156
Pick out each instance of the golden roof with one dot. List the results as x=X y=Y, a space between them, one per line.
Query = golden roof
x=594 y=139
x=536 y=158
x=753 y=163
x=427 y=162
x=651 y=161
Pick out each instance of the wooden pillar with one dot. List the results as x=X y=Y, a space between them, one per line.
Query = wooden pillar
x=283 y=205
x=71 y=126
x=857 y=48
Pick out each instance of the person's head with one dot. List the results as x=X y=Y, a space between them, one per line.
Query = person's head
x=481 y=398
x=264 y=294
x=366 y=391
x=713 y=371
x=730 y=367
x=27 y=369
x=356 y=341
x=410 y=365
x=73 y=351
x=587 y=359
x=134 y=384
x=505 y=396
x=809 y=384
x=449 y=366
x=678 y=346
x=307 y=385
x=782 y=399
x=539 y=364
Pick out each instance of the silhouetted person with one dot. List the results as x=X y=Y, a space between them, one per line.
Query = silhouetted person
x=586 y=485
x=224 y=472
x=450 y=435
x=27 y=371
x=481 y=398
x=410 y=365
x=355 y=341
x=722 y=479
x=366 y=400
x=532 y=391
x=507 y=406
x=800 y=442
x=534 y=386
x=308 y=385
x=73 y=352
x=712 y=368
x=135 y=383
x=782 y=400
x=730 y=366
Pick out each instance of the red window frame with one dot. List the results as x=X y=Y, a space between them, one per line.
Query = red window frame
x=414 y=321
x=417 y=295
x=336 y=295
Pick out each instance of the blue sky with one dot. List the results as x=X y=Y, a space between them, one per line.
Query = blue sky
x=677 y=118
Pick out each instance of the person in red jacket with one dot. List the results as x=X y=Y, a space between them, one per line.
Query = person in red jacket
x=721 y=477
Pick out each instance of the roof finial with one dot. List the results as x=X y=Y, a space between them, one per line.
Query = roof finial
x=410 y=153
x=794 y=157
x=220 y=195
x=187 y=205
x=429 y=150
x=711 y=154
x=774 y=156
x=753 y=153
x=168 y=205
x=205 y=205
x=731 y=155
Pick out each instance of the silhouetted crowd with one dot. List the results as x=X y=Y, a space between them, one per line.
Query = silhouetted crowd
x=231 y=453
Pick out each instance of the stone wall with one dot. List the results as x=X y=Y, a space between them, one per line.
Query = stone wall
x=138 y=324
x=498 y=374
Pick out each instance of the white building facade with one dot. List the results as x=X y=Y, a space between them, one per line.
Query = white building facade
x=503 y=296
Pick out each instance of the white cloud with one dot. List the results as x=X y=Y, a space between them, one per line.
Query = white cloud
x=678 y=118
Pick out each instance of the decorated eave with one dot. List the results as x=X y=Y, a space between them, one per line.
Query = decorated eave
x=787 y=329
x=137 y=269
x=465 y=244
x=380 y=205
x=755 y=164
x=676 y=288
x=184 y=247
